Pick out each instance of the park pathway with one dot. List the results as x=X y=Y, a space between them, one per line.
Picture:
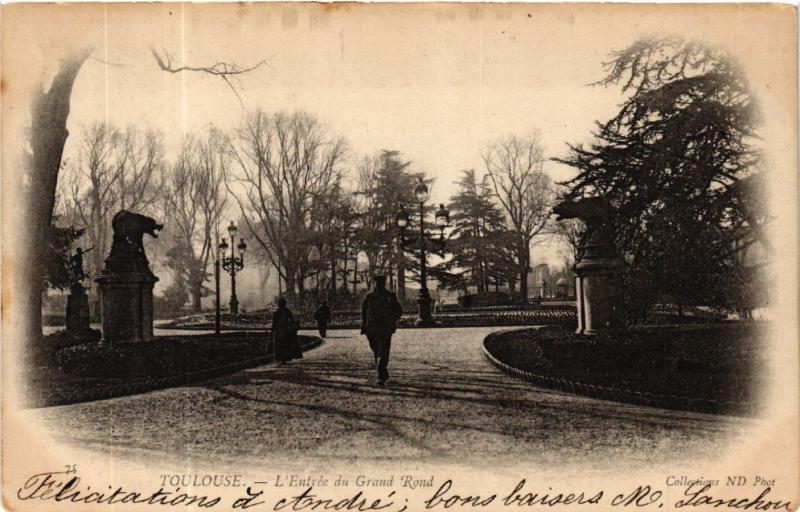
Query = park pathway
x=444 y=402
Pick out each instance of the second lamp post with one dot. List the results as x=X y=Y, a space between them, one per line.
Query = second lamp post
x=422 y=194
x=232 y=265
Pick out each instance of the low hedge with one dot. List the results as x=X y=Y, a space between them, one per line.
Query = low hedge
x=92 y=370
x=158 y=358
x=539 y=315
x=543 y=316
x=718 y=367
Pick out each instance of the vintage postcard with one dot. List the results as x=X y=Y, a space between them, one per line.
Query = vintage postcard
x=399 y=257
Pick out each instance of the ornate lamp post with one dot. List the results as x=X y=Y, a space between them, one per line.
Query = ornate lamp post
x=232 y=264
x=442 y=216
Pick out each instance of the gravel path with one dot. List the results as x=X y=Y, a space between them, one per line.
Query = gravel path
x=444 y=402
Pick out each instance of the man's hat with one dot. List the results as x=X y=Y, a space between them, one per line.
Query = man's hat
x=378 y=278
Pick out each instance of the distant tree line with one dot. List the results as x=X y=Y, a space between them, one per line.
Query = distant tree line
x=678 y=163
x=314 y=212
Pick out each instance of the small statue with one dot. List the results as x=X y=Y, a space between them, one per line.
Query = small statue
x=78 y=274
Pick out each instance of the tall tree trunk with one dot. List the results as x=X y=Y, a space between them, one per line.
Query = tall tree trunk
x=355 y=277
x=401 y=273
x=332 y=293
x=197 y=296
x=48 y=135
x=524 y=268
x=301 y=286
x=289 y=281
x=371 y=264
x=344 y=272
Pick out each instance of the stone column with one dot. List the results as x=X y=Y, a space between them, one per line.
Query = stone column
x=127 y=306
x=598 y=288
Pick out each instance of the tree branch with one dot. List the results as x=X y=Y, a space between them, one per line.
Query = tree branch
x=224 y=70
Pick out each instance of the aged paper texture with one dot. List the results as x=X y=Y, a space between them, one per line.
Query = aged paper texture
x=293 y=149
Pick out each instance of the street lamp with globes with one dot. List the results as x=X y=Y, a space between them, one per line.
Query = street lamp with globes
x=442 y=217
x=232 y=264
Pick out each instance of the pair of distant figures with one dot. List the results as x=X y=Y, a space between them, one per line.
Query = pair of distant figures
x=380 y=312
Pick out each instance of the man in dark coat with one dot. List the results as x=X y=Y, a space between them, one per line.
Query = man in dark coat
x=380 y=312
x=323 y=315
x=284 y=334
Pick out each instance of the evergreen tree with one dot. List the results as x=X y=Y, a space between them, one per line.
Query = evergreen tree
x=478 y=241
x=385 y=182
x=670 y=163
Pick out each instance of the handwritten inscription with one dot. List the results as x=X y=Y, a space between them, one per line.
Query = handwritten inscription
x=60 y=486
x=381 y=494
x=699 y=496
x=445 y=498
x=307 y=500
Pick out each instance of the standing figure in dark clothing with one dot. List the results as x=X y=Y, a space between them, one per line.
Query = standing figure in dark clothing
x=323 y=315
x=284 y=334
x=78 y=274
x=379 y=315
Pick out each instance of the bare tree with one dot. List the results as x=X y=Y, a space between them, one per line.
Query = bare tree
x=224 y=70
x=194 y=198
x=89 y=189
x=114 y=170
x=515 y=168
x=139 y=158
x=285 y=162
x=42 y=164
x=570 y=232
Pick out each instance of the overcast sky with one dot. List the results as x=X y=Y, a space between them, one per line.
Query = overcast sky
x=435 y=82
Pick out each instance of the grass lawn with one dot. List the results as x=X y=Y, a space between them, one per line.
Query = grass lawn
x=715 y=362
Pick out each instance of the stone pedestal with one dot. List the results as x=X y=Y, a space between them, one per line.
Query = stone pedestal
x=599 y=269
x=127 y=305
x=598 y=293
x=77 y=310
x=424 y=305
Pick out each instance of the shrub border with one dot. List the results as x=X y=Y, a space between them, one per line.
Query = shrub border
x=145 y=385
x=613 y=394
x=490 y=319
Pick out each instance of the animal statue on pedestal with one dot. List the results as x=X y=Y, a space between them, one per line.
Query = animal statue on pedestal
x=127 y=248
x=595 y=212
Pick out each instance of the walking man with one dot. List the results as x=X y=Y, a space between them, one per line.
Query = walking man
x=323 y=315
x=379 y=315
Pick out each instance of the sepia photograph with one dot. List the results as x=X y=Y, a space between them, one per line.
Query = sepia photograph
x=400 y=257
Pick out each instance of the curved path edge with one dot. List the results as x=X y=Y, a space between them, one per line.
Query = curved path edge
x=613 y=394
x=145 y=385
